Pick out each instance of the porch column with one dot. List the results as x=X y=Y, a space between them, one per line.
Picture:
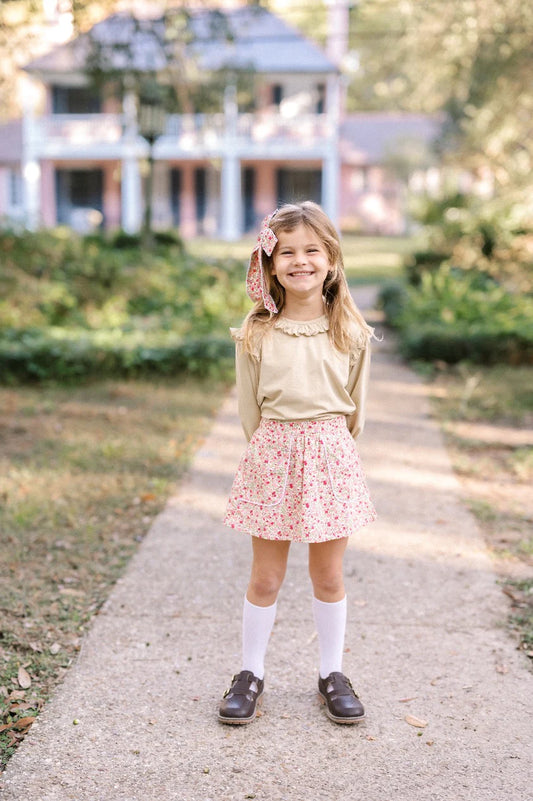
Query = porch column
x=131 y=188
x=331 y=162
x=131 y=195
x=231 y=171
x=330 y=185
x=231 y=198
x=31 y=169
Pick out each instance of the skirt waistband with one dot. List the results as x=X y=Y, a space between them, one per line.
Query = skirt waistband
x=337 y=422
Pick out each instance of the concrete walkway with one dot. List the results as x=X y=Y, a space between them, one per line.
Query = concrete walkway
x=426 y=637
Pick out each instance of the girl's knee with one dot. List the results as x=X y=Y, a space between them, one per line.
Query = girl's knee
x=264 y=587
x=328 y=584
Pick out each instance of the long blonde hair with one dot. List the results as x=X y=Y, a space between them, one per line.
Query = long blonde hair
x=347 y=326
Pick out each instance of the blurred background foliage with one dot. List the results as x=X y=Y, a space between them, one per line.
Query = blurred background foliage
x=76 y=306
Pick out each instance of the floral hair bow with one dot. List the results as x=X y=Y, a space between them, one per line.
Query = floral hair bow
x=256 y=284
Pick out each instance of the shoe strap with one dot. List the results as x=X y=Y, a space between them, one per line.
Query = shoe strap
x=243 y=684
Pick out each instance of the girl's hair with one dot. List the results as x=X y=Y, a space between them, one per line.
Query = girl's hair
x=347 y=326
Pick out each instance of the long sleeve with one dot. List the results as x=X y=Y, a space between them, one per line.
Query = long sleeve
x=247 y=376
x=357 y=387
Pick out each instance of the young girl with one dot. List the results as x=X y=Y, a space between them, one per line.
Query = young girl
x=302 y=359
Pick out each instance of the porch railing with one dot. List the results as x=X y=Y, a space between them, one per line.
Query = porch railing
x=77 y=129
x=186 y=132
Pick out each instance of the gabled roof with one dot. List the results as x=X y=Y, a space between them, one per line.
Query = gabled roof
x=249 y=38
x=371 y=137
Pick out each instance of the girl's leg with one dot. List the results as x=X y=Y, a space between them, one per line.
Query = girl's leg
x=329 y=602
x=329 y=610
x=325 y=569
x=269 y=564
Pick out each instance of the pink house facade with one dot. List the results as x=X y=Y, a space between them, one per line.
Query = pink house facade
x=81 y=162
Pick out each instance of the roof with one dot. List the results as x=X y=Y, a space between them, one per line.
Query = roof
x=248 y=38
x=370 y=137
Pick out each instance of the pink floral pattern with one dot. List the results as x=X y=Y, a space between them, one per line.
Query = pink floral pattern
x=300 y=481
x=256 y=285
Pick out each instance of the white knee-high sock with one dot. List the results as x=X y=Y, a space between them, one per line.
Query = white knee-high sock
x=330 y=621
x=257 y=623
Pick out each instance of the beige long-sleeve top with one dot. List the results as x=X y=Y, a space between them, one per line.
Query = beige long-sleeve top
x=300 y=375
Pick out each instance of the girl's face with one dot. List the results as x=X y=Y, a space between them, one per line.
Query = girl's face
x=300 y=263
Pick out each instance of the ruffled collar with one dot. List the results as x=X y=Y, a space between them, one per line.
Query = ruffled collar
x=306 y=328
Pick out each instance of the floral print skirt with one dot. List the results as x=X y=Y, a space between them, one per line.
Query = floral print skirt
x=300 y=481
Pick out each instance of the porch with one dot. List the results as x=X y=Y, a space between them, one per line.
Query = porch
x=215 y=174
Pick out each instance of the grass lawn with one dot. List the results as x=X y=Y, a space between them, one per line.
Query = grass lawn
x=83 y=472
x=487 y=417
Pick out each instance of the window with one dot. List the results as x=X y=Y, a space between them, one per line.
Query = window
x=176 y=183
x=75 y=100
x=321 y=98
x=200 y=192
x=277 y=94
x=14 y=188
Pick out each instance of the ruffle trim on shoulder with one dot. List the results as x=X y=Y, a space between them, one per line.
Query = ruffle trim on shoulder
x=306 y=328
x=236 y=334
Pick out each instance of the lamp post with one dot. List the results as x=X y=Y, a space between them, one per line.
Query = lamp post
x=151 y=120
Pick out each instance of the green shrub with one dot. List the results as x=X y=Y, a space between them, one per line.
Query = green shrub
x=124 y=241
x=169 y=238
x=423 y=261
x=393 y=298
x=72 y=306
x=65 y=355
x=455 y=315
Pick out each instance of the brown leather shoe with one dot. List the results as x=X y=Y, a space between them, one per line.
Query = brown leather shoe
x=342 y=704
x=239 y=704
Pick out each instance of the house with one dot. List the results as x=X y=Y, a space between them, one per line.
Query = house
x=82 y=163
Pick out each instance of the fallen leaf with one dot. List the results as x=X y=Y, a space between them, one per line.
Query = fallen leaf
x=503 y=669
x=23 y=723
x=23 y=705
x=148 y=496
x=369 y=737
x=517 y=599
x=5 y=727
x=429 y=742
x=24 y=679
x=418 y=722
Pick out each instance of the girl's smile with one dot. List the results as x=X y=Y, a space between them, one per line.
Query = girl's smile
x=300 y=263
